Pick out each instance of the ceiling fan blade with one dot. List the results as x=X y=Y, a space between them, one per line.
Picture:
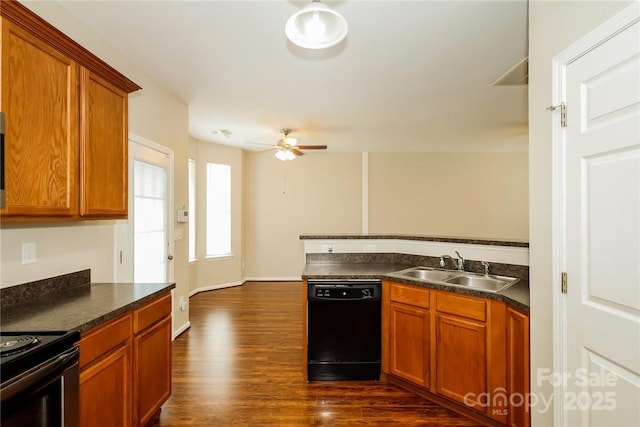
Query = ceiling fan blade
x=296 y=151
x=312 y=147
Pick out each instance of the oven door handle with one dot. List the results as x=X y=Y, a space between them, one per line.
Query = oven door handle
x=38 y=374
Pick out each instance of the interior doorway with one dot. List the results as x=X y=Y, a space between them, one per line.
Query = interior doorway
x=144 y=241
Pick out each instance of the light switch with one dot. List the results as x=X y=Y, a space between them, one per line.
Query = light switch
x=28 y=253
x=177 y=234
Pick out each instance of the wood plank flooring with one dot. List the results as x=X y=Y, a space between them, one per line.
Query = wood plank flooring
x=240 y=365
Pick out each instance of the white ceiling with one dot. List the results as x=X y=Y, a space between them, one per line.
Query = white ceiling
x=410 y=76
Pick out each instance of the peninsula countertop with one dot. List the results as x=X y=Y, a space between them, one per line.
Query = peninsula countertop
x=79 y=308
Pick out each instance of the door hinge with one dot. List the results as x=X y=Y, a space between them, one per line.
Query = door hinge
x=564 y=282
x=563 y=113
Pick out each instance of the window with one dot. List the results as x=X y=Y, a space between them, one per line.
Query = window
x=218 y=210
x=192 y=210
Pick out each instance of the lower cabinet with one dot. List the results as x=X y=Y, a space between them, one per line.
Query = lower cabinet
x=152 y=373
x=105 y=375
x=460 y=343
x=125 y=367
x=472 y=351
x=518 y=368
x=409 y=352
x=461 y=360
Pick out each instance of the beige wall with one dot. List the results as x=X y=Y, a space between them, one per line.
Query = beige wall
x=553 y=26
x=449 y=194
x=320 y=193
x=219 y=271
x=154 y=114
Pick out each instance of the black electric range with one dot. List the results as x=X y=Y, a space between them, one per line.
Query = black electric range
x=23 y=351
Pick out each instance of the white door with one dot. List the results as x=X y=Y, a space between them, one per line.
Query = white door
x=145 y=242
x=601 y=199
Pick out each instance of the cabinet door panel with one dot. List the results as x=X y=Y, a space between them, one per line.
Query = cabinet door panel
x=409 y=343
x=105 y=391
x=461 y=360
x=152 y=376
x=40 y=102
x=103 y=148
x=518 y=367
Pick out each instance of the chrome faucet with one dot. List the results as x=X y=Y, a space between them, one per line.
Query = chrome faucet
x=460 y=261
x=486 y=267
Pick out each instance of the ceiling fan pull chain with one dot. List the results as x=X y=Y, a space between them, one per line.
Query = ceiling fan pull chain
x=284 y=179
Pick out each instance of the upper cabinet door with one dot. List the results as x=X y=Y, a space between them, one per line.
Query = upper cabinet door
x=103 y=148
x=40 y=102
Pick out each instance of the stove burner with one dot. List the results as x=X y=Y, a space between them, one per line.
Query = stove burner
x=16 y=344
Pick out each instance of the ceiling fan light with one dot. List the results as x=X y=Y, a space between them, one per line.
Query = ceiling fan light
x=316 y=26
x=284 y=155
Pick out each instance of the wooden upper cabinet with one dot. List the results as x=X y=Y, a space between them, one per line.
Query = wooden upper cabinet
x=103 y=147
x=40 y=102
x=66 y=124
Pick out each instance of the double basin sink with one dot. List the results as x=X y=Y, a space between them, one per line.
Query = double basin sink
x=487 y=283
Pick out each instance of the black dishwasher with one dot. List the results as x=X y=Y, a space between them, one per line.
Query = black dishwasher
x=343 y=330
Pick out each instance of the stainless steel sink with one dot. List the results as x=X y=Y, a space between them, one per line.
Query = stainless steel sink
x=428 y=274
x=491 y=284
x=487 y=283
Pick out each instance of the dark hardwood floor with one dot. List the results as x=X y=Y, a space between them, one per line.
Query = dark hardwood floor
x=240 y=365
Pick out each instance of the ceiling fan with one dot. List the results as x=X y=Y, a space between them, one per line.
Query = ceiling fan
x=288 y=149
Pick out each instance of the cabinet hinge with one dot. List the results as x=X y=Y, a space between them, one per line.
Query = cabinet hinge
x=563 y=113
x=564 y=282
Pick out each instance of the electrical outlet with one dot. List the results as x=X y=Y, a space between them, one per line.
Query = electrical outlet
x=183 y=304
x=28 y=253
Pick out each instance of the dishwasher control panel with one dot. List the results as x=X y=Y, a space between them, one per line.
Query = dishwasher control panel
x=344 y=290
x=335 y=293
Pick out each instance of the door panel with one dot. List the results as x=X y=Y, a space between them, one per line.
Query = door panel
x=409 y=343
x=461 y=360
x=602 y=198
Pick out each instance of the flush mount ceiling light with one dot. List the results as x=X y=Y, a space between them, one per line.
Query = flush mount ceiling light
x=316 y=26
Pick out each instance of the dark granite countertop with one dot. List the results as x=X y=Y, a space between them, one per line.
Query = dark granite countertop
x=516 y=295
x=79 y=308
x=448 y=239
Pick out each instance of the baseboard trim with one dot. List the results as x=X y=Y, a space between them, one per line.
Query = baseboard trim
x=214 y=287
x=242 y=282
x=273 y=279
x=181 y=329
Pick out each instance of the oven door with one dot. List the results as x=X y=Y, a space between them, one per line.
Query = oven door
x=45 y=396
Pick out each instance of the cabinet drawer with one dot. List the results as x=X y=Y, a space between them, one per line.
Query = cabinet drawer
x=461 y=305
x=411 y=295
x=101 y=340
x=151 y=313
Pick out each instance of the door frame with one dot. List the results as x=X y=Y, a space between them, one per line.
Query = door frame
x=595 y=38
x=169 y=153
